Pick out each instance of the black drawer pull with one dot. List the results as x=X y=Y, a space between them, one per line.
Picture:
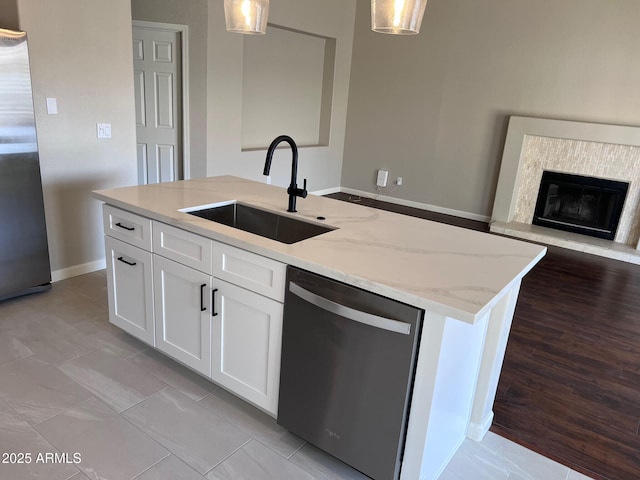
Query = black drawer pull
x=213 y=303
x=202 y=307
x=131 y=229
x=128 y=263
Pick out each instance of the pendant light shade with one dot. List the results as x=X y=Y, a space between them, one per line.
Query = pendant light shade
x=397 y=17
x=246 y=16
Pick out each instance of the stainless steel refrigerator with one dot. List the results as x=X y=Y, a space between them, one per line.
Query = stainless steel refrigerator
x=24 y=254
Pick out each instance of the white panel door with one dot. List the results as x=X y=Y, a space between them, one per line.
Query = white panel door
x=247 y=340
x=158 y=92
x=130 y=291
x=183 y=322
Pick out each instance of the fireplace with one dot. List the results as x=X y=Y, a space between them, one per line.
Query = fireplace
x=575 y=203
x=535 y=145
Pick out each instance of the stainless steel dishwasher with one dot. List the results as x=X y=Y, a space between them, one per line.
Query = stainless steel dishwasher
x=348 y=360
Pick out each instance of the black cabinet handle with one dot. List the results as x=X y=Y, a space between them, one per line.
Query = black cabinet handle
x=202 y=307
x=133 y=264
x=131 y=229
x=213 y=303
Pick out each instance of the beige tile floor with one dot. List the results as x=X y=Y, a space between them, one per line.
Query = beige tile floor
x=72 y=384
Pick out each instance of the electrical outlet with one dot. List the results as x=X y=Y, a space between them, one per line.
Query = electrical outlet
x=103 y=130
x=383 y=177
x=399 y=181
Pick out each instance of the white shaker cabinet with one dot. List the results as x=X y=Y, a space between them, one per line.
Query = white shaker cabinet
x=215 y=308
x=247 y=337
x=183 y=322
x=130 y=289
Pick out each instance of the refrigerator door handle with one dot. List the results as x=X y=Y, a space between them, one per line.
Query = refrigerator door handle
x=350 y=313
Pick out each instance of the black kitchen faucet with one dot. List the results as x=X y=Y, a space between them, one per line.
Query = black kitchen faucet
x=293 y=189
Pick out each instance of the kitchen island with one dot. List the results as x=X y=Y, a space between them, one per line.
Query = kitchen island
x=467 y=282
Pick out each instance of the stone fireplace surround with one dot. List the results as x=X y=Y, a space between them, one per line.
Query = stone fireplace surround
x=536 y=144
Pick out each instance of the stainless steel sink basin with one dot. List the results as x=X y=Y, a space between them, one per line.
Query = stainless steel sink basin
x=260 y=222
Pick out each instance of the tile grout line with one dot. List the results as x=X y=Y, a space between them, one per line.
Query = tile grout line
x=171 y=452
x=138 y=475
x=297 y=450
x=64 y=411
x=143 y=432
x=230 y=455
x=247 y=430
x=18 y=359
x=53 y=445
x=146 y=398
x=121 y=358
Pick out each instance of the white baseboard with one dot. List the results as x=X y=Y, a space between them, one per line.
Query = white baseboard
x=75 y=270
x=326 y=191
x=477 y=431
x=422 y=206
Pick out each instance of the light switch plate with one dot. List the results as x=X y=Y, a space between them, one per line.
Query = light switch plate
x=52 y=106
x=383 y=176
x=104 y=130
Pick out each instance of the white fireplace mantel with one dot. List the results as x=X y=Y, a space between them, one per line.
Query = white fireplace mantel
x=520 y=127
x=512 y=170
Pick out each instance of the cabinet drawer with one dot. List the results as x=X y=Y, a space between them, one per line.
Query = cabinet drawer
x=126 y=226
x=182 y=246
x=248 y=270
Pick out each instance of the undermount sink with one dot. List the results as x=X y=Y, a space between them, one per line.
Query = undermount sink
x=267 y=224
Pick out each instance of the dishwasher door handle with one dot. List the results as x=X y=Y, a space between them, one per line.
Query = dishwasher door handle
x=350 y=313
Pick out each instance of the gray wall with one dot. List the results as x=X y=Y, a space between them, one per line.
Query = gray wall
x=80 y=53
x=9 y=14
x=322 y=165
x=192 y=13
x=282 y=80
x=433 y=108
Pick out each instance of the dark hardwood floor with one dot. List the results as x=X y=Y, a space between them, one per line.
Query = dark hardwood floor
x=570 y=383
x=413 y=212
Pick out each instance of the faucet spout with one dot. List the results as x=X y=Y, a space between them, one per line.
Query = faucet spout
x=293 y=189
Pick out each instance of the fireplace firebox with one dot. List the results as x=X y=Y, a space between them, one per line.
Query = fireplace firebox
x=575 y=203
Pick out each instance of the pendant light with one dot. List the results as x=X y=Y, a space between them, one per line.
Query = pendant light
x=397 y=17
x=246 y=16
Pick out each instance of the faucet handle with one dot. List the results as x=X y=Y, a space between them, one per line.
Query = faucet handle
x=304 y=189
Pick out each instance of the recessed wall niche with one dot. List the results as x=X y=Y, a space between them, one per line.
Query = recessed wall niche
x=287 y=87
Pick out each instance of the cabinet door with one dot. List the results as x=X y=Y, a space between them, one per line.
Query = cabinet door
x=129 y=286
x=183 y=322
x=247 y=338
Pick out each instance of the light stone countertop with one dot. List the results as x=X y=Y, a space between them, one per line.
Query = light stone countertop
x=449 y=270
